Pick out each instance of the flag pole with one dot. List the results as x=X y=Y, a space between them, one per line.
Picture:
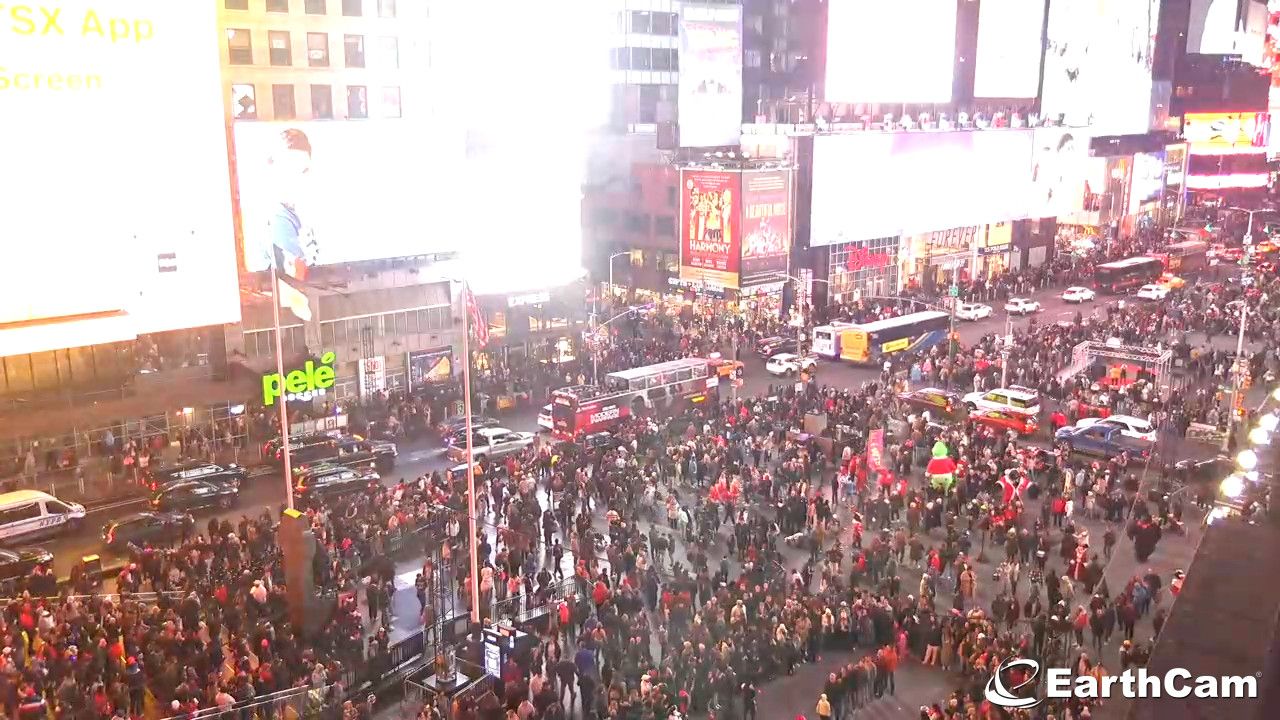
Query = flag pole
x=282 y=400
x=473 y=542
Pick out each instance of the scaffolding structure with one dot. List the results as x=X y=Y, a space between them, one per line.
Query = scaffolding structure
x=1155 y=361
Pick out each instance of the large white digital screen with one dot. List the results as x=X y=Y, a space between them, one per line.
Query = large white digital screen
x=1009 y=48
x=324 y=192
x=117 y=216
x=869 y=185
x=895 y=52
x=710 y=90
x=1097 y=68
x=1059 y=172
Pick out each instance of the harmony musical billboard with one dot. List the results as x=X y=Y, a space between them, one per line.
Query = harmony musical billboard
x=117 y=209
x=710 y=90
x=1009 y=49
x=766 y=226
x=710 y=246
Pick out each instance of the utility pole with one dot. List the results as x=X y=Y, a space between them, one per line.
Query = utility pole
x=1006 y=346
x=1238 y=367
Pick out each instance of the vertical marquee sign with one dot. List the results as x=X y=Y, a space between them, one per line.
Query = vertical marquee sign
x=766 y=226
x=710 y=245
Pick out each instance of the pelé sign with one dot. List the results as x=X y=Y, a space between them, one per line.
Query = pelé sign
x=309 y=382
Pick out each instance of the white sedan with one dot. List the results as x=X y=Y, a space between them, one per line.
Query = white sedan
x=1134 y=427
x=544 y=418
x=973 y=311
x=790 y=364
x=1078 y=295
x=1021 y=306
x=1152 y=292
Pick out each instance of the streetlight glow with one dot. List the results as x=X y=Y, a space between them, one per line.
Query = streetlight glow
x=1259 y=436
x=1269 y=422
x=1232 y=486
x=1247 y=459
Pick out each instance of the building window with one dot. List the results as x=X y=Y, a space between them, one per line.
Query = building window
x=664 y=225
x=648 y=104
x=637 y=223
x=664 y=23
x=620 y=58
x=316 y=7
x=751 y=58
x=387 y=8
x=673 y=196
x=244 y=102
x=354 y=45
x=641 y=58
x=278 y=6
x=388 y=53
x=642 y=22
x=390 y=102
x=353 y=8
x=664 y=59
x=318 y=49
x=322 y=102
x=282 y=102
x=239 y=46
x=357 y=101
x=604 y=217
x=281 y=47
x=235 y=4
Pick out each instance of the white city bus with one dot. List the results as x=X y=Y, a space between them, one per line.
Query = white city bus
x=826 y=339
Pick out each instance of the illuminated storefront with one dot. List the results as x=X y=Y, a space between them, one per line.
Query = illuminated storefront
x=867 y=267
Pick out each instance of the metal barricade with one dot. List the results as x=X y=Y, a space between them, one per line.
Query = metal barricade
x=311 y=703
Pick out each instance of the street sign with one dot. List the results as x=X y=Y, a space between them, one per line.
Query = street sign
x=955 y=291
x=1248 y=238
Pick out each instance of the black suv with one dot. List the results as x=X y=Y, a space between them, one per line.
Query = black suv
x=188 y=495
x=939 y=403
x=770 y=346
x=197 y=470
x=322 y=481
x=302 y=448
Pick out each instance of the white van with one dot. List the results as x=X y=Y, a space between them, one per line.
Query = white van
x=28 y=513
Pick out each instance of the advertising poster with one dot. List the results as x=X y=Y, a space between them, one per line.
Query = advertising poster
x=766 y=226
x=372 y=375
x=428 y=367
x=710 y=91
x=710 y=246
x=117 y=209
x=875 y=450
x=1223 y=132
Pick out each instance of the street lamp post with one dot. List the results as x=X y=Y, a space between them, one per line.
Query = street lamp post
x=1238 y=367
x=611 y=258
x=800 y=325
x=595 y=359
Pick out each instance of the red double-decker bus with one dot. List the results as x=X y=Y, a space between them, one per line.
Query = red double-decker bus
x=656 y=390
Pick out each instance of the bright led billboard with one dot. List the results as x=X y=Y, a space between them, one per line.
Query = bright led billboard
x=894 y=52
x=1059 y=170
x=871 y=185
x=1009 y=49
x=117 y=217
x=1097 y=67
x=322 y=192
x=710 y=90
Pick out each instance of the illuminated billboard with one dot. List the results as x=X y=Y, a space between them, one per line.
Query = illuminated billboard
x=1059 y=168
x=1097 y=66
x=710 y=91
x=710 y=245
x=766 y=226
x=873 y=185
x=321 y=192
x=1009 y=49
x=898 y=52
x=1209 y=133
x=117 y=214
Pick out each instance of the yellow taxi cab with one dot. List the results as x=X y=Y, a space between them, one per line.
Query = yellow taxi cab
x=1171 y=281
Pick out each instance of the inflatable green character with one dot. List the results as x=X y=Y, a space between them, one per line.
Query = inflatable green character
x=941 y=469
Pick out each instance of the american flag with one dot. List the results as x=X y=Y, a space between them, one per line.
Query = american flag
x=479 y=326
